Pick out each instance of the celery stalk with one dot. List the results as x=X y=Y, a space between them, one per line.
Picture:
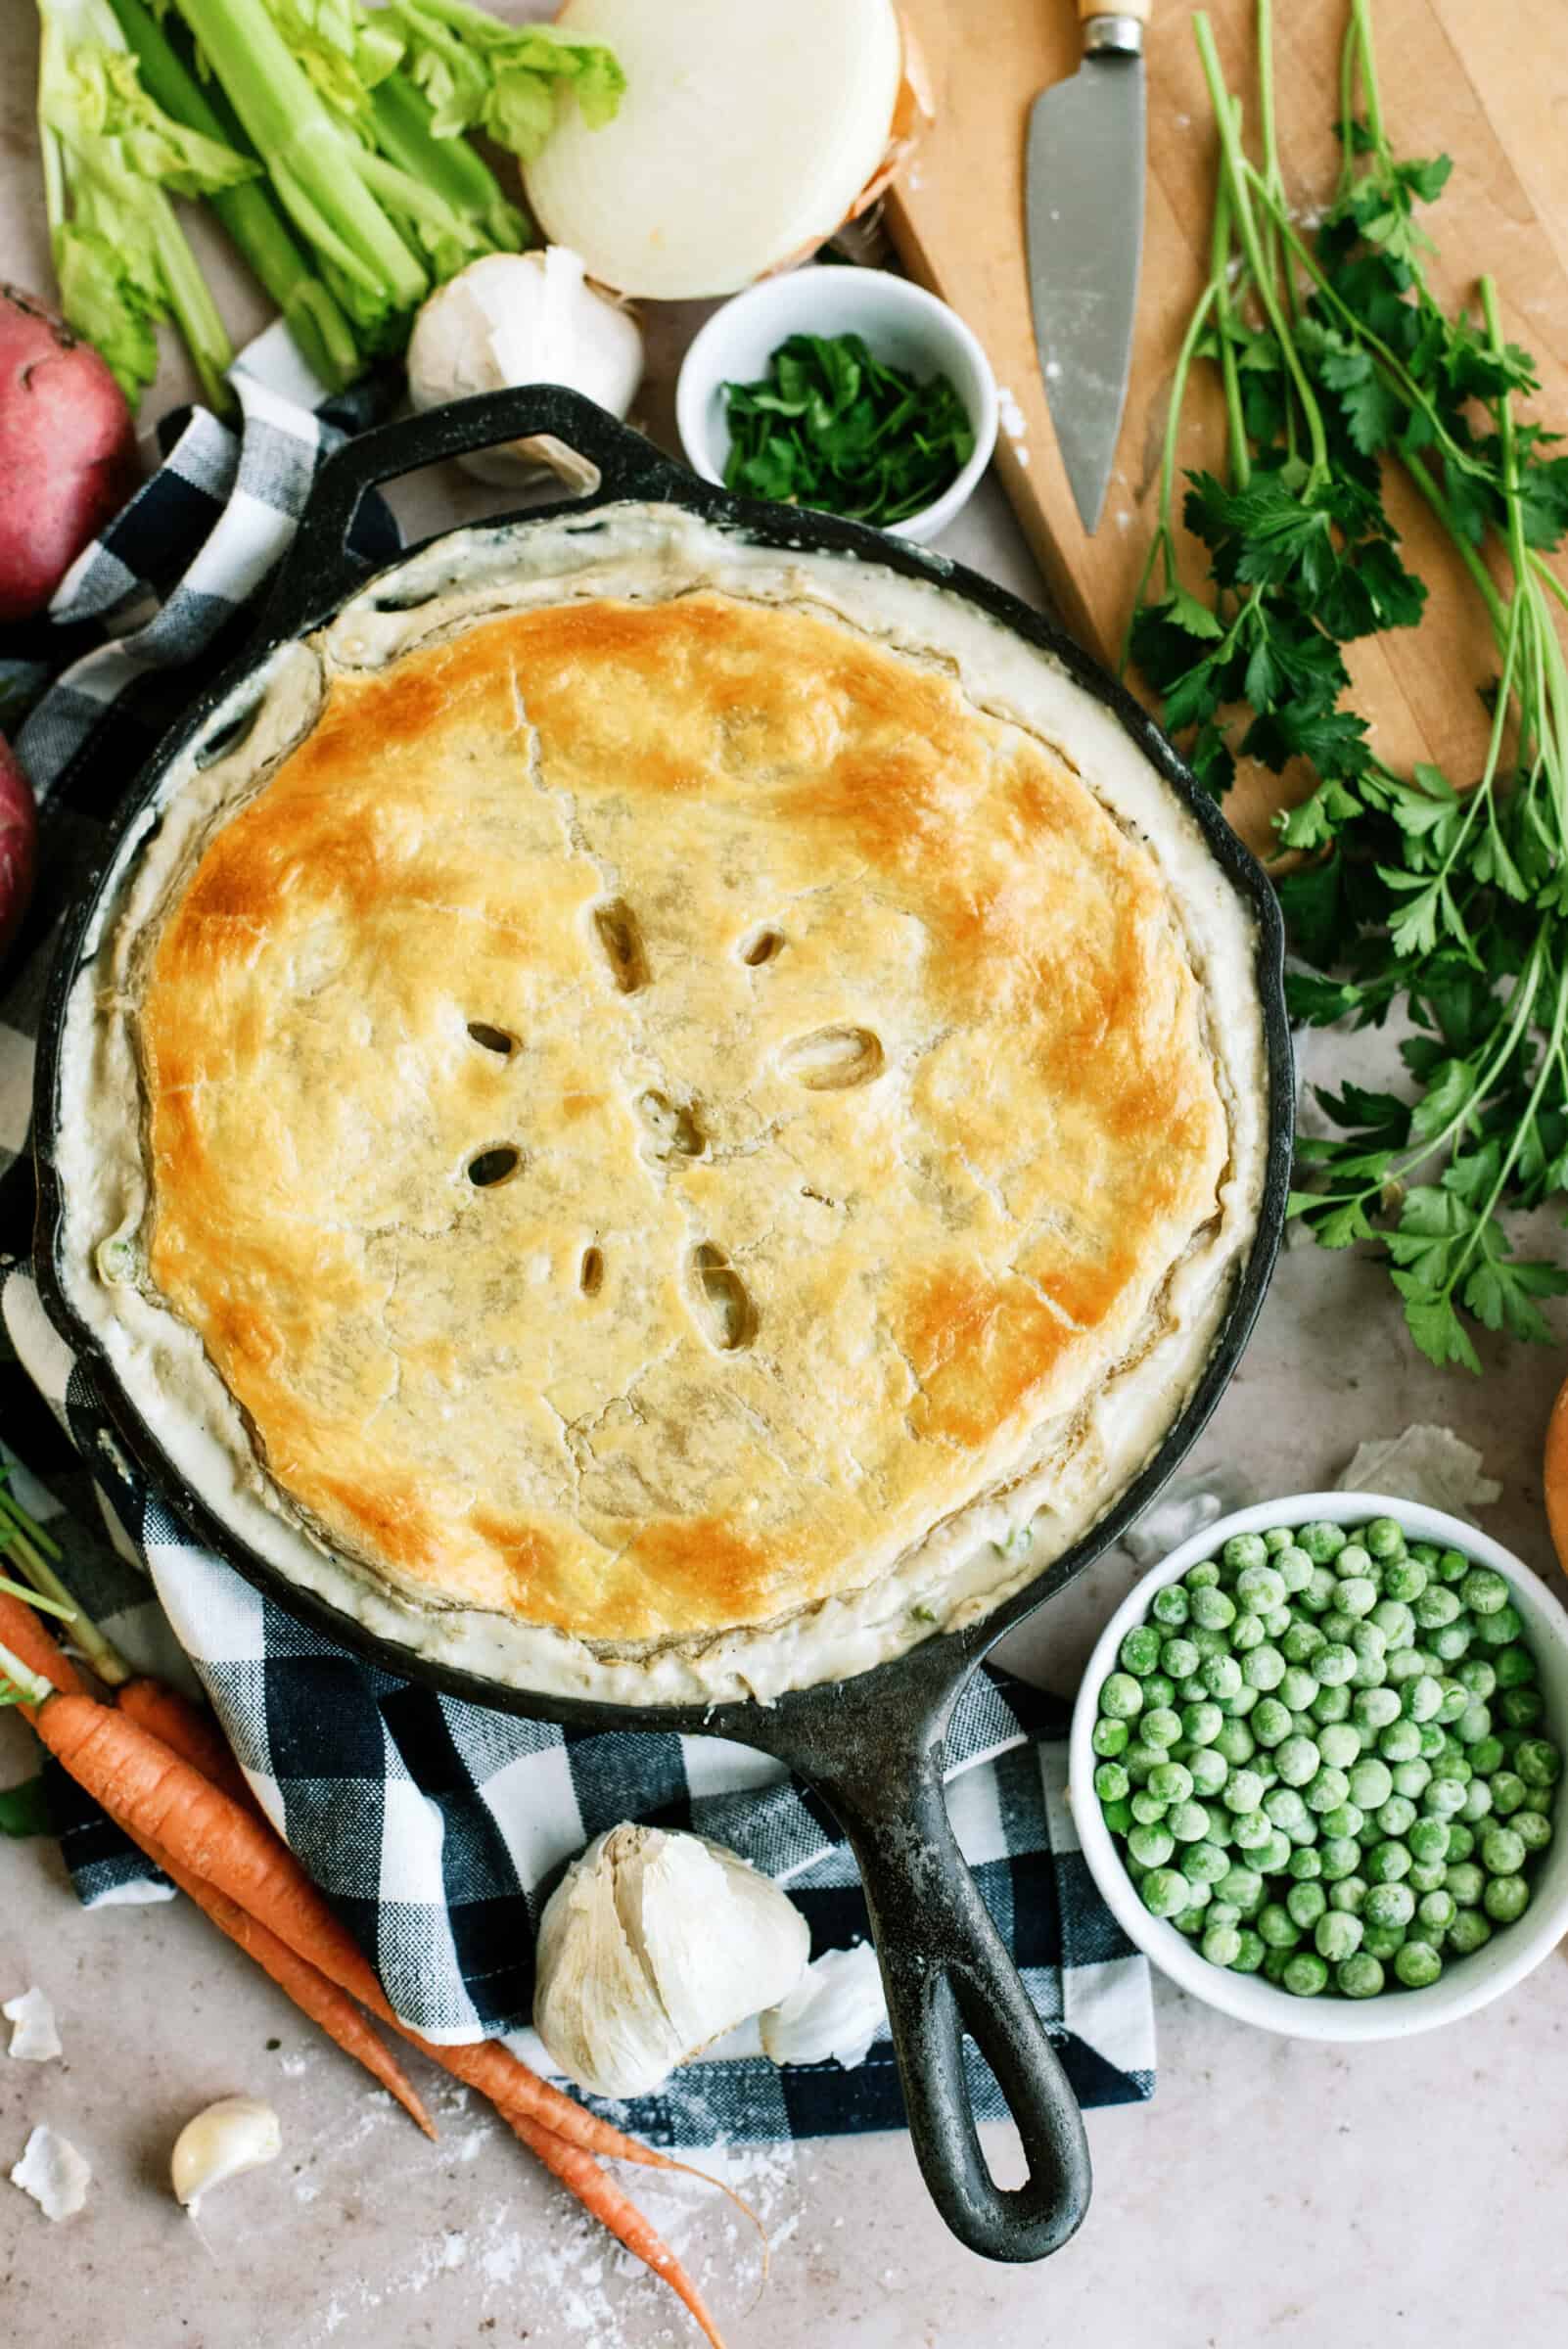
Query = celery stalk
x=248 y=212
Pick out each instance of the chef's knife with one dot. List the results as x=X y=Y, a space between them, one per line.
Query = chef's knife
x=1084 y=212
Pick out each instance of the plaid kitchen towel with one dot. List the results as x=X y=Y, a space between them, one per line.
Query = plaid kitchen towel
x=437 y=1828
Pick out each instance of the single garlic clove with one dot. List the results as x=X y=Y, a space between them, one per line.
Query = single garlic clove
x=235 y=2135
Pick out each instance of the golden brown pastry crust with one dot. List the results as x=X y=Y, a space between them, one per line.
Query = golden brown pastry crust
x=852 y=1058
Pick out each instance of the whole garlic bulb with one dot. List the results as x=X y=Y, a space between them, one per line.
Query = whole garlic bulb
x=653 y=1946
x=525 y=318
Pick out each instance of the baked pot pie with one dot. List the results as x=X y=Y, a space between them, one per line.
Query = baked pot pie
x=642 y=1107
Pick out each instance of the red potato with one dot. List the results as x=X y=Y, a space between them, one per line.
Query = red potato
x=67 y=451
x=19 y=843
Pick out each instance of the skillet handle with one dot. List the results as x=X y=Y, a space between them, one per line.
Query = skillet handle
x=945 y=1970
x=319 y=569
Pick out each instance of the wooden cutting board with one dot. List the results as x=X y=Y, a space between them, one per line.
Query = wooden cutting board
x=1485 y=84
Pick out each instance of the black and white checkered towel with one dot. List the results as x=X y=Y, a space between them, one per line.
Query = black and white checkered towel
x=437 y=1828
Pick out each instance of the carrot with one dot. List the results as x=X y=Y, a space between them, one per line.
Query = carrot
x=22 y=1632
x=152 y=1792
x=604 y=2201
x=309 y=1989
x=187 y=1732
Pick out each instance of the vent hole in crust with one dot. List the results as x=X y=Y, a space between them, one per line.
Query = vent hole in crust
x=832 y=1059
x=414 y=600
x=725 y=1312
x=620 y=936
x=590 y=1273
x=497 y=1164
x=499 y=1040
x=673 y=1129
x=229 y=736
x=760 y=946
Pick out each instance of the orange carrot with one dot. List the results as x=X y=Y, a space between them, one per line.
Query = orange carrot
x=322 y=2000
x=604 y=2201
x=187 y=1732
x=22 y=1632
x=152 y=1792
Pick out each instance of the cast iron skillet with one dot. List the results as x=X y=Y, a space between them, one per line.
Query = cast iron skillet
x=873 y=1745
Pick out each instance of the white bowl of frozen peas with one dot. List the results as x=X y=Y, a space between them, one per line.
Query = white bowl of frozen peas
x=1317 y=1767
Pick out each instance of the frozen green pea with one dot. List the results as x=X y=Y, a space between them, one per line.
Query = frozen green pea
x=1466 y=1882
x=1426 y=1875
x=1508 y=1791
x=1305 y=1864
x=1179 y=1659
x=1164 y=1891
x=1499 y=1629
x=1304 y=1974
x=1443 y=1797
x=1420 y=1698
x=1437 y=1910
x=1461 y=1840
x=1404 y=1579
x=1203 y=1576
x=1259 y=1590
x=1328 y=1788
x=1429 y=1839
x=1208 y=1641
x=1395 y=1816
x=1502 y=1852
x=1188 y=1822
x=1275 y=1965
x=1515 y=1667
x=1298 y=1760
x=1277 y=1538
x=1284 y=1808
x=1395 y=1620
x=1139 y=1651
x=1202 y=1722
x=1243 y=1551
x=1277 y=1621
x=1148 y=1810
x=1521 y=1708
x=1349 y=1893
x=1339 y=1857
x=1370 y=1643
x=1292 y=1567
x=1451 y=1566
x=1305 y=1903
x=1158 y=1689
x=1436 y=1606
x=1389 y=1904
x=1298 y=1687
x=1487 y=1755
x=1235 y=1743
x=1371 y=1782
x=1121 y=1698
x=1388 y=1862
x=1411 y=1779
x=1221 y=1945
x=1252 y=1831
x=1340 y=1743
x=1484 y=1590
x=1534 y=1829
x=1301 y=1642
x=1220 y=1676
x=1237 y=1707
x=1209 y=1769
x=1470 y=1931
x=1263 y=1669
x=1538 y=1761
x=1110 y=1738
x=1171 y=1782
x=1417 y=1964
x=1354 y=1594
x=1204 y=1862
x=1373 y=1709
x=1400 y=1742
x=1383 y=1537
x=1245 y=1887
x=1477 y=1675
x=1168 y=1606
x=1433 y=1741
x=1540 y=1798
x=1269 y=1722
x=1333 y=1663
x=1333 y=1703
x=1190 y=1922
x=1111 y=1782
x=1162 y=1726
x=1382 y=1942
x=1118 y=1817
x=1321 y=1541
x=1243 y=1790
x=1477 y=1802
x=1337 y=1935
x=1213 y=1609
x=1451 y=1643
x=1274 y=1857
x=1359 y=1976
x=1407 y=1664
x=1193 y=1691
x=1345 y=1819
x=1505 y=1899
x=1249 y=1955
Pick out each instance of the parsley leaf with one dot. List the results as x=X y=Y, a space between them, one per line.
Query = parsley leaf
x=832 y=425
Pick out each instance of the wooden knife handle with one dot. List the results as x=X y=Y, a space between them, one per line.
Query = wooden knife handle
x=1141 y=9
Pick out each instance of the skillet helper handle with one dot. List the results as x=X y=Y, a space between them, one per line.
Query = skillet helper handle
x=320 y=569
x=947 y=1970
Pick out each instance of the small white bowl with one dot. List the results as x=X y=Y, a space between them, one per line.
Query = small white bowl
x=1471 y=1982
x=902 y=323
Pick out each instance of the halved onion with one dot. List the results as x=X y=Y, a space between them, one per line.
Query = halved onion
x=750 y=130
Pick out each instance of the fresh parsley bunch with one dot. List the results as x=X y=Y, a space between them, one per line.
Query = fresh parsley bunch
x=1448 y=908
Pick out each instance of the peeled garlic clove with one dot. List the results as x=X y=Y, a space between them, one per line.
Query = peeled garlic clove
x=525 y=318
x=835 y=2011
x=653 y=1946
x=235 y=2135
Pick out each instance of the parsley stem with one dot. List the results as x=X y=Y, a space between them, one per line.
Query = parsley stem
x=1361 y=22
x=1220 y=243
x=1239 y=171
x=1522 y=1125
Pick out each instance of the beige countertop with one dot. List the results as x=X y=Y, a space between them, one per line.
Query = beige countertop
x=1272 y=2193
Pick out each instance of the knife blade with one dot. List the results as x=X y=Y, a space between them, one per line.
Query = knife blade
x=1084 y=222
